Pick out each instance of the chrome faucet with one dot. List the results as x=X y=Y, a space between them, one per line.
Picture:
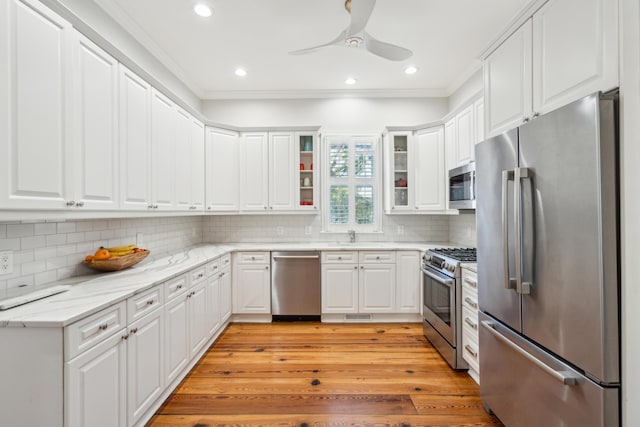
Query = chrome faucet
x=352 y=236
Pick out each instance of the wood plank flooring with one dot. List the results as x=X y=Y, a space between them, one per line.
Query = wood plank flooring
x=320 y=374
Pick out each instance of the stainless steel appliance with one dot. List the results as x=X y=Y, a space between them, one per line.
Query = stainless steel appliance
x=295 y=285
x=548 y=268
x=462 y=187
x=442 y=305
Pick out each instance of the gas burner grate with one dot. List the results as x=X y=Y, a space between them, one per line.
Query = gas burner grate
x=460 y=254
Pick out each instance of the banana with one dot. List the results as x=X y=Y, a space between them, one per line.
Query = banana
x=117 y=249
x=121 y=253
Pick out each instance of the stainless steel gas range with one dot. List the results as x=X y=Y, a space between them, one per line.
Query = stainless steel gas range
x=442 y=301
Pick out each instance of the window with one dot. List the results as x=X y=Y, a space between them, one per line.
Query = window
x=352 y=171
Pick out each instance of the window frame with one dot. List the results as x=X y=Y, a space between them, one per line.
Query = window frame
x=352 y=182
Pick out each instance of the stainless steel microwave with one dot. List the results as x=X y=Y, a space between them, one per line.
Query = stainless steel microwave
x=462 y=187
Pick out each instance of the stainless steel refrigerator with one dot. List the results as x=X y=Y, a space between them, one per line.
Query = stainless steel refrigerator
x=548 y=268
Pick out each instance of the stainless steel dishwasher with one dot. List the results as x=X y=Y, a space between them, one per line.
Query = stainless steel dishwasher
x=295 y=285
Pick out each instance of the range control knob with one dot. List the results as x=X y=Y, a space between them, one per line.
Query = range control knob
x=451 y=267
x=426 y=258
x=443 y=264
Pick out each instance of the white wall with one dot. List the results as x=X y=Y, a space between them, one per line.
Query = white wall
x=333 y=114
x=468 y=89
x=630 y=210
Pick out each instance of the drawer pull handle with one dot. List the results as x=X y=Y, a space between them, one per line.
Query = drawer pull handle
x=471 y=351
x=355 y=267
x=339 y=258
x=471 y=323
x=134 y=330
x=221 y=274
x=125 y=337
x=471 y=302
x=471 y=282
x=179 y=287
x=267 y=267
x=377 y=257
x=103 y=327
x=150 y=302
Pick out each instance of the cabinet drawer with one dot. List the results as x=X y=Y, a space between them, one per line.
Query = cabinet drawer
x=84 y=334
x=470 y=322
x=196 y=276
x=139 y=305
x=225 y=261
x=470 y=350
x=212 y=268
x=469 y=301
x=175 y=287
x=470 y=282
x=253 y=258
x=377 y=257
x=339 y=257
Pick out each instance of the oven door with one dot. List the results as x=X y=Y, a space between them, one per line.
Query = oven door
x=439 y=303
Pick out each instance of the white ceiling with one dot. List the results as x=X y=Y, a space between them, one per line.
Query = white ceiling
x=446 y=37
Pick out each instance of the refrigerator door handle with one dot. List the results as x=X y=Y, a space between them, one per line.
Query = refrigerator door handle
x=523 y=288
x=506 y=177
x=565 y=377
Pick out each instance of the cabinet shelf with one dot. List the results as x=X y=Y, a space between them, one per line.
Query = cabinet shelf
x=306 y=171
x=401 y=152
x=402 y=188
x=306 y=152
x=306 y=188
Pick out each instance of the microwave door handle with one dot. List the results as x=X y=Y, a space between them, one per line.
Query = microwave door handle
x=506 y=177
x=522 y=288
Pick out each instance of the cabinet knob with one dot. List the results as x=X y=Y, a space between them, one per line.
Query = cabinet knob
x=267 y=267
x=536 y=115
x=155 y=206
x=71 y=203
x=265 y=208
x=377 y=257
x=103 y=327
x=525 y=120
x=355 y=267
x=150 y=302
x=208 y=208
x=149 y=206
x=125 y=337
x=362 y=267
x=80 y=204
x=134 y=330
x=270 y=207
x=339 y=258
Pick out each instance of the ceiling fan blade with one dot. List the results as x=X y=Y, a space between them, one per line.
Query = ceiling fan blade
x=386 y=50
x=338 y=41
x=360 y=14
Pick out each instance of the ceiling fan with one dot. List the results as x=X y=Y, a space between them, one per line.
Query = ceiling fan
x=355 y=36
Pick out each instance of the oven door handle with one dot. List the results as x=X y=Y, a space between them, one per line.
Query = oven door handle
x=438 y=278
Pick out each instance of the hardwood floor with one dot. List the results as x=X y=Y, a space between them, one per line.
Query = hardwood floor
x=320 y=374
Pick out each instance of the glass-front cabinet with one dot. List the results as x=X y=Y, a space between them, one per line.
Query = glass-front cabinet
x=399 y=178
x=307 y=185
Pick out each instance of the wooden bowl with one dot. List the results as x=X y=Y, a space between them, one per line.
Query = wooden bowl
x=117 y=264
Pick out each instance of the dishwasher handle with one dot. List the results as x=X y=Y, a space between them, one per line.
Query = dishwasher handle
x=276 y=257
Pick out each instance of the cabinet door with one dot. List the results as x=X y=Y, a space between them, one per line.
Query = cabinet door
x=429 y=170
x=145 y=364
x=176 y=338
x=401 y=179
x=252 y=289
x=466 y=138
x=95 y=161
x=197 y=165
x=34 y=124
x=213 y=304
x=198 y=326
x=306 y=180
x=254 y=172
x=340 y=288
x=478 y=121
x=377 y=288
x=182 y=158
x=225 y=295
x=96 y=385
x=408 y=282
x=135 y=142
x=222 y=170
x=162 y=150
x=575 y=51
x=282 y=171
x=507 y=83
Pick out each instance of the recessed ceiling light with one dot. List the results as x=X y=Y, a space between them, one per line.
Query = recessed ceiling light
x=202 y=10
x=350 y=81
x=411 y=69
x=241 y=72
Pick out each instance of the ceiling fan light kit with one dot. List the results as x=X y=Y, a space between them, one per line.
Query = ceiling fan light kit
x=355 y=36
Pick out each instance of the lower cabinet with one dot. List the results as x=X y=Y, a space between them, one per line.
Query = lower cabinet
x=251 y=292
x=470 y=339
x=225 y=289
x=371 y=282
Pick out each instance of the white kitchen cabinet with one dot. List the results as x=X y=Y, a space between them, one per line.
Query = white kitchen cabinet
x=429 y=169
x=568 y=49
x=94 y=158
x=36 y=136
x=225 y=289
x=282 y=171
x=254 y=171
x=465 y=129
x=377 y=288
x=183 y=158
x=222 y=170
x=470 y=339
x=213 y=315
x=251 y=285
x=145 y=364
x=478 y=114
x=197 y=199
x=399 y=172
x=408 y=282
x=176 y=336
x=198 y=325
x=306 y=178
x=340 y=287
x=163 y=164
x=135 y=141
x=96 y=385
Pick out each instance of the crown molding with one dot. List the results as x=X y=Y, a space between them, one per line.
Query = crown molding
x=310 y=94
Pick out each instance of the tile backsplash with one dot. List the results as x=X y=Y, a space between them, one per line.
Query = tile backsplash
x=47 y=251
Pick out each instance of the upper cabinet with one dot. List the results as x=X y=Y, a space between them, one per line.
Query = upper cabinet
x=466 y=138
x=398 y=150
x=254 y=171
x=222 y=154
x=568 y=49
x=189 y=162
x=306 y=179
x=429 y=170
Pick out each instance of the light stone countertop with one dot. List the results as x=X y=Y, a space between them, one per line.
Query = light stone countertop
x=92 y=293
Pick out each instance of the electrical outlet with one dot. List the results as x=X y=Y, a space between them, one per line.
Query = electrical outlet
x=400 y=229
x=279 y=230
x=6 y=262
x=307 y=230
x=139 y=240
